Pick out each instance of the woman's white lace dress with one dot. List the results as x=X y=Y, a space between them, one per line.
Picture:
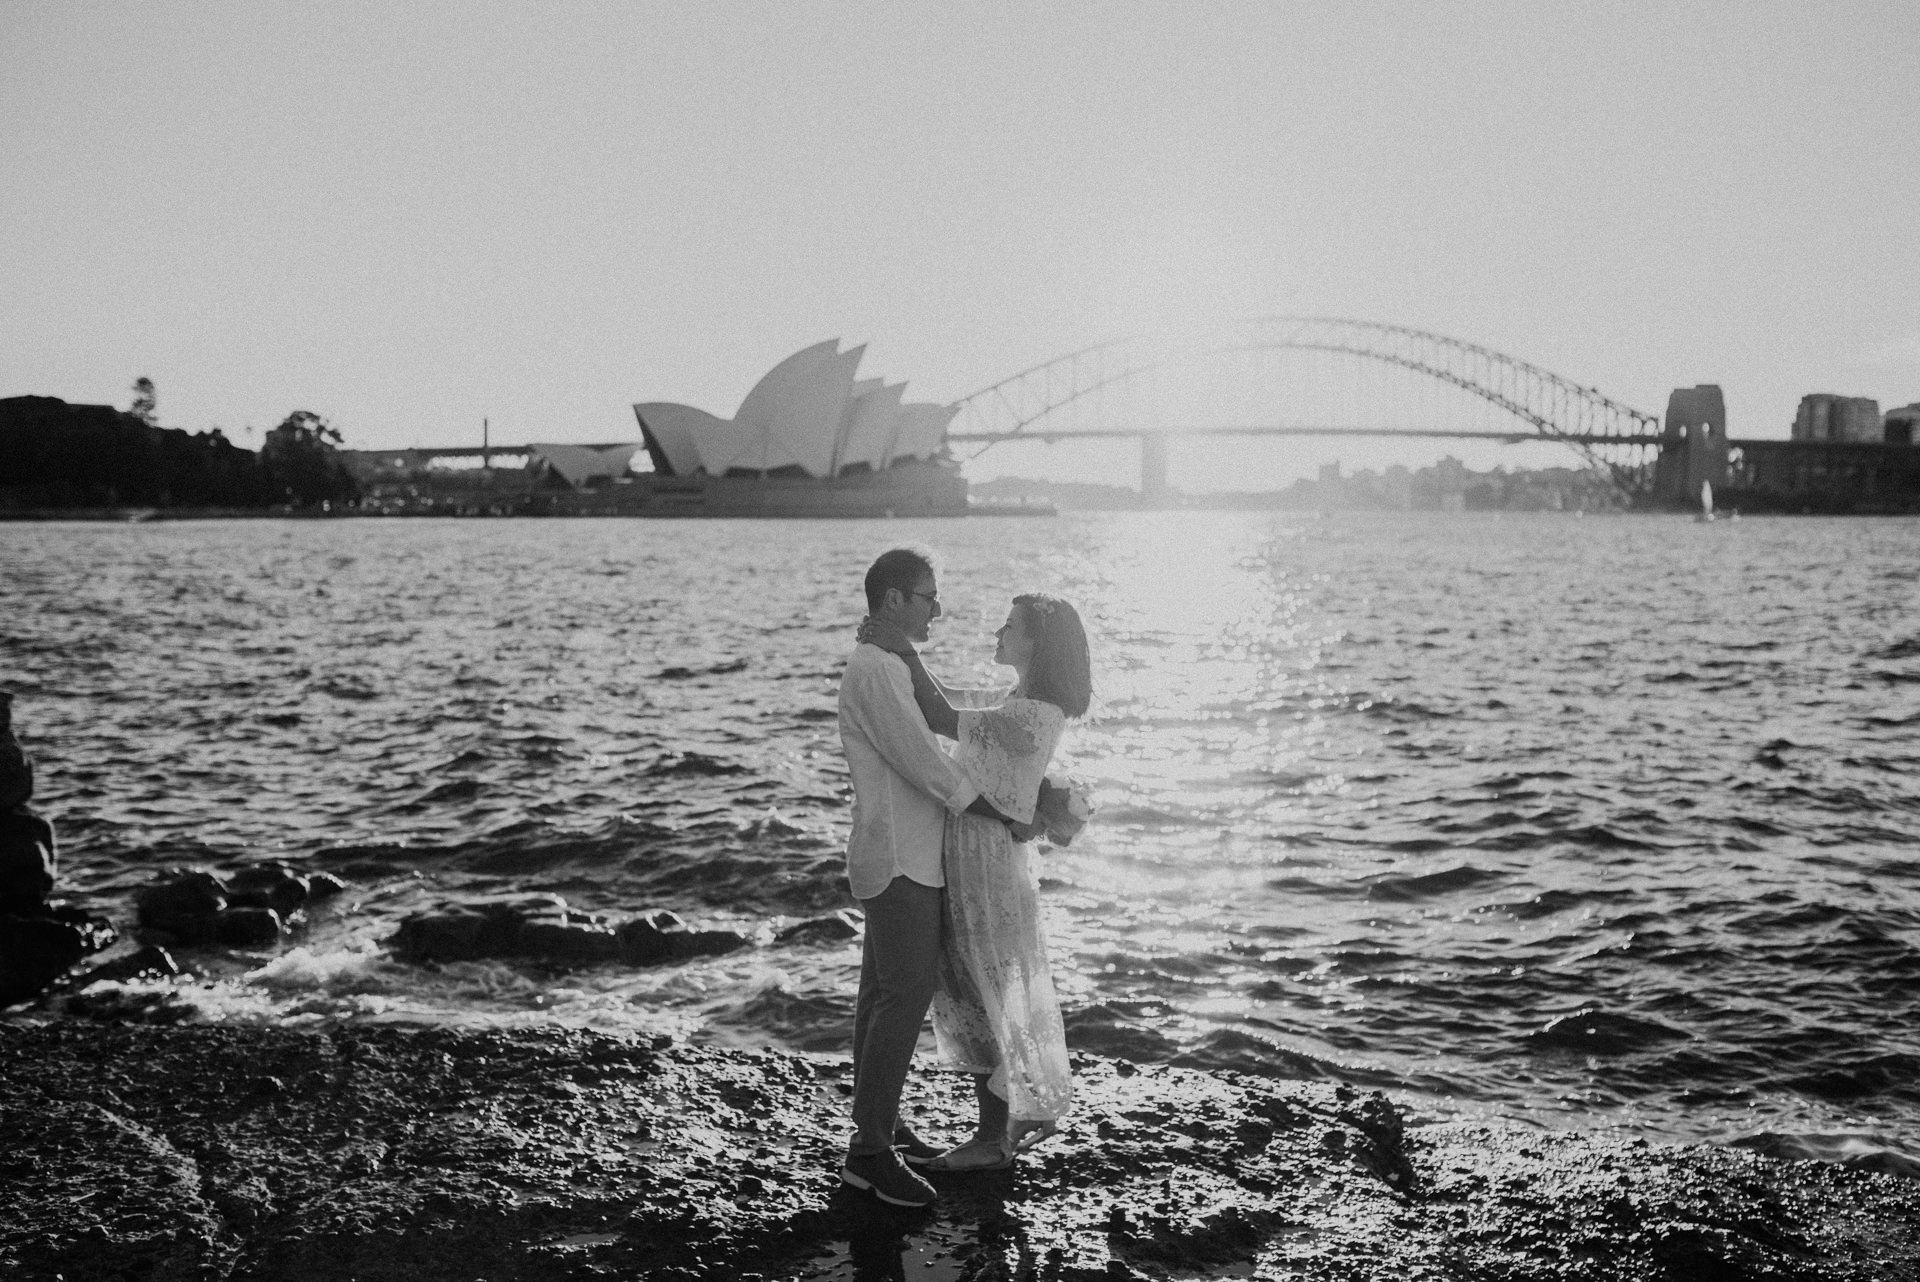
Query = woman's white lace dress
x=995 y=1010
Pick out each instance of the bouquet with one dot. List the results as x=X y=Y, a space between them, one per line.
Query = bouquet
x=1064 y=807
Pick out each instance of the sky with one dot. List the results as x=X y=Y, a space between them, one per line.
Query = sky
x=412 y=217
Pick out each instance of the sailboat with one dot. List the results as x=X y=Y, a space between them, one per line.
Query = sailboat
x=1706 y=502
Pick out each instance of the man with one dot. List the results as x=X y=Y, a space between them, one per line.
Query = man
x=904 y=785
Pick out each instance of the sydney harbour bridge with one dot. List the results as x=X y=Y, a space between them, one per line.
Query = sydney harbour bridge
x=1318 y=376
x=1292 y=376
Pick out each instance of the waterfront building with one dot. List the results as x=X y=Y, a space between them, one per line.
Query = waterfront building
x=810 y=439
x=809 y=416
x=1824 y=416
x=1899 y=425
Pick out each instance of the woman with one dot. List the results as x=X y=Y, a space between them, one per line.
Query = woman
x=995 y=1014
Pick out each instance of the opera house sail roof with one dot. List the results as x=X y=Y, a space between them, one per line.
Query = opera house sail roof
x=809 y=415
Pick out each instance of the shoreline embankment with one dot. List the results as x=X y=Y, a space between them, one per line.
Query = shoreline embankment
x=1736 y=506
x=384 y=1152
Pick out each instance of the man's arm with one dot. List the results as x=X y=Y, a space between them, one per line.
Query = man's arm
x=931 y=698
x=880 y=698
x=1021 y=831
x=898 y=733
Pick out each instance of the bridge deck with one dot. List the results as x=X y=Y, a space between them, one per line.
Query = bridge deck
x=988 y=438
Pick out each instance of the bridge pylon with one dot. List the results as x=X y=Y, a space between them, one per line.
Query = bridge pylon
x=1154 y=490
x=1693 y=446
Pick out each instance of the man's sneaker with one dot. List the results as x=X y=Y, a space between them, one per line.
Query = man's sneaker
x=887 y=1178
x=913 y=1150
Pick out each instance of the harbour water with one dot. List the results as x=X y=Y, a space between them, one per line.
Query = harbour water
x=1585 y=822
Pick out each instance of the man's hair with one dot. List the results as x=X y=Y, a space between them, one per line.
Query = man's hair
x=1062 y=669
x=899 y=568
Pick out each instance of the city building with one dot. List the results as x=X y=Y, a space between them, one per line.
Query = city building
x=1898 y=427
x=1823 y=416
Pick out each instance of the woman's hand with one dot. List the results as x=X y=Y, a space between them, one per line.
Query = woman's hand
x=887 y=635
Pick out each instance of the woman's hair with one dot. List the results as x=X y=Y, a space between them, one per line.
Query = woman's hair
x=1062 y=670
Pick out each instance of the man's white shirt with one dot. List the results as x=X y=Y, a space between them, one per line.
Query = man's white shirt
x=904 y=783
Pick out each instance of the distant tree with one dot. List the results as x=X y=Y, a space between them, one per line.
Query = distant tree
x=301 y=460
x=144 y=402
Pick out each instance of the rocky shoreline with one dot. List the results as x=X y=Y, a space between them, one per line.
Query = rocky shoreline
x=380 y=1152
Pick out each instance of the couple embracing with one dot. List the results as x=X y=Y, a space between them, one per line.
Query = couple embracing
x=940 y=859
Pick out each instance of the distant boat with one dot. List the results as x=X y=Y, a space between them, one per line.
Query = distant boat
x=1706 y=501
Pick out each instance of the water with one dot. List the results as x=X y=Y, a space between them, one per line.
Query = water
x=1582 y=822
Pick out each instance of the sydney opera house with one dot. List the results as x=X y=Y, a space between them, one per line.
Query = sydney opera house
x=811 y=439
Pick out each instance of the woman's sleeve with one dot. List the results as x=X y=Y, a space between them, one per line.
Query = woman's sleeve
x=1005 y=752
x=991 y=697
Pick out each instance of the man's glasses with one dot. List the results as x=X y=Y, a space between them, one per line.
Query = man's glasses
x=931 y=596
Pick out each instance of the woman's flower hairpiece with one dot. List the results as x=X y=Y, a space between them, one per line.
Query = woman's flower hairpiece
x=1041 y=606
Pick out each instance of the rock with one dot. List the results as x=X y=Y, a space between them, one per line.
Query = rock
x=533 y=926
x=26 y=865
x=656 y=937
x=566 y=943
x=244 y=927
x=660 y=936
x=39 y=941
x=96 y=933
x=833 y=929
x=167 y=1152
x=272 y=885
x=322 y=886
x=643 y=942
x=251 y=906
x=185 y=903
x=542 y=928
x=16 y=771
x=529 y=907
x=441 y=936
x=28 y=852
x=146 y=963
x=36 y=950
x=706 y=943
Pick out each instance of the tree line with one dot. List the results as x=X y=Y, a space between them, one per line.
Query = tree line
x=56 y=455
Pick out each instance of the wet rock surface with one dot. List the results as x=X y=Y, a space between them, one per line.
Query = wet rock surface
x=248 y=907
x=40 y=939
x=376 y=1152
x=37 y=949
x=545 y=929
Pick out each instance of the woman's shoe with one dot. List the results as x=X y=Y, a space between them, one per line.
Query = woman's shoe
x=1024 y=1135
x=975 y=1155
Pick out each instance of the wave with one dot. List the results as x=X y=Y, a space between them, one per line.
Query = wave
x=1395 y=888
x=1108 y=1029
x=1862 y=1150
x=1907 y=648
x=689 y=762
x=814 y=1021
x=1598 y=1032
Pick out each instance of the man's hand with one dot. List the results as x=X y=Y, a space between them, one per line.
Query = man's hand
x=1024 y=833
x=887 y=635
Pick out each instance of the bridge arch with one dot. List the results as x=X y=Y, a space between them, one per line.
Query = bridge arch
x=1608 y=434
